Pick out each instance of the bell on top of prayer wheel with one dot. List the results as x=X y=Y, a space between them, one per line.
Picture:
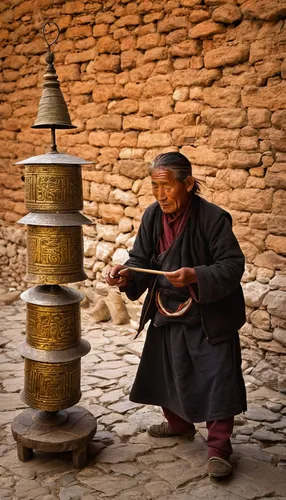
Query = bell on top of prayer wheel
x=53 y=111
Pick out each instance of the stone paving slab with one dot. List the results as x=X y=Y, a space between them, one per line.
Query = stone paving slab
x=124 y=462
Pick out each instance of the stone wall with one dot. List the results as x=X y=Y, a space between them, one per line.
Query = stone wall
x=206 y=78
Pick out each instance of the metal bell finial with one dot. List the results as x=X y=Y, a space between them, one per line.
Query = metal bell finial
x=53 y=112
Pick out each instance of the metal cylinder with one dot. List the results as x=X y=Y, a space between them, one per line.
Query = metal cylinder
x=54 y=255
x=51 y=386
x=53 y=188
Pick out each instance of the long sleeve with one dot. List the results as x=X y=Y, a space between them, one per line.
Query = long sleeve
x=222 y=277
x=140 y=256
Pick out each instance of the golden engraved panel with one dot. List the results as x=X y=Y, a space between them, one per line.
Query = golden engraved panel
x=55 y=254
x=53 y=327
x=51 y=386
x=53 y=188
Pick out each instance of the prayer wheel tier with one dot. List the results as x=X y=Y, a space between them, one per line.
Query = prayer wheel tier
x=50 y=386
x=53 y=188
x=54 y=255
x=53 y=317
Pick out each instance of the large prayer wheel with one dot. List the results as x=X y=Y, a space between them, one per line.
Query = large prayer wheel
x=53 y=346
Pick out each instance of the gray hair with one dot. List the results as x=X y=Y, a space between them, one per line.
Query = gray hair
x=176 y=163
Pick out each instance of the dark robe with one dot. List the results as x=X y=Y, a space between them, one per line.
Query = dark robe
x=191 y=364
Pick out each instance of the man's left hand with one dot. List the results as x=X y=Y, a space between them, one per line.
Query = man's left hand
x=182 y=277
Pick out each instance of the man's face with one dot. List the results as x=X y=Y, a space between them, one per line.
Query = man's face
x=172 y=195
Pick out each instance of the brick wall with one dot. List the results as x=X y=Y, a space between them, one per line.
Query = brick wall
x=206 y=78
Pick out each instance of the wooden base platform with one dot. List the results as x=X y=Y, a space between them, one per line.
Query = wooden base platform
x=76 y=428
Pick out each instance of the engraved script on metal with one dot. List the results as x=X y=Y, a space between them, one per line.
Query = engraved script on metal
x=55 y=254
x=51 y=386
x=53 y=188
x=53 y=327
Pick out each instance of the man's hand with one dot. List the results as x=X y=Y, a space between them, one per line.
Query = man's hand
x=118 y=275
x=182 y=277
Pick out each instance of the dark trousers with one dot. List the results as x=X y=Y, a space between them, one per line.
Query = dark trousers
x=219 y=432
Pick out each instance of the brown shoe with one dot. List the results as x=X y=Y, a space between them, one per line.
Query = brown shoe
x=163 y=430
x=218 y=467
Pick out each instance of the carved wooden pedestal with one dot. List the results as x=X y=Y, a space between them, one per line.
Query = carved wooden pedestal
x=70 y=430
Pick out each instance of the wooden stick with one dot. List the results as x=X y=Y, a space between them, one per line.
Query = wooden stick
x=142 y=270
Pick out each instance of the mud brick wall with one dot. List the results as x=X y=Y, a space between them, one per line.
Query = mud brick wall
x=206 y=78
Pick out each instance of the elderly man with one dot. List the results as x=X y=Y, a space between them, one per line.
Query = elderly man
x=191 y=361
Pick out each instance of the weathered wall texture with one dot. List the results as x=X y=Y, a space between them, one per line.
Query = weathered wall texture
x=206 y=78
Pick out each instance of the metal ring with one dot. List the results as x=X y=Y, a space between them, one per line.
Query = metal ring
x=48 y=23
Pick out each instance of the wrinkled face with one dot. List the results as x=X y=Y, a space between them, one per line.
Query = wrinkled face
x=173 y=195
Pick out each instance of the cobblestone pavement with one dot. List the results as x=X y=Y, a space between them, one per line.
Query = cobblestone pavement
x=124 y=463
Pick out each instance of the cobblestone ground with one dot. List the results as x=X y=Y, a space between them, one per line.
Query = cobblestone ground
x=124 y=463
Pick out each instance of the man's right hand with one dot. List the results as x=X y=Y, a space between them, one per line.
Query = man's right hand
x=118 y=275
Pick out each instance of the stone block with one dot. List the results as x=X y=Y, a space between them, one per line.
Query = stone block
x=185 y=49
x=98 y=138
x=260 y=319
x=223 y=138
x=100 y=30
x=135 y=169
x=189 y=107
x=254 y=293
x=272 y=98
x=68 y=72
x=80 y=57
x=139 y=123
x=173 y=121
x=15 y=62
x=279 y=334
x=107 y=44
x=107 y=62
x=99 y=192
x=198 y=78
x=107 y=232
x=270 y=260
x=217 y=97
x=79 y=31
x=118 y=181
x=125 y=107
x=176 y=36
x=278 y=119
x=171 y=23
x=203 y=155
x=181 y=94
x=157 y=86
x=240 y=159
x=252 y=200
x=276 y=243
x=110 y=213
x=143 y=72
x=266 y=69
x=275 y=302
x=263 y=10
x=276 y=176
x=133 y=90
x=226 y=14
x=259 y=117
x=254 y=236
x=129 y=20
x=156 y=106
x=153 y=139
x=149 y=41
x=155 y=54
x=206 y=29
x=224 y=117
x=126 y=198
x=227 y=56
x=116 y=306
